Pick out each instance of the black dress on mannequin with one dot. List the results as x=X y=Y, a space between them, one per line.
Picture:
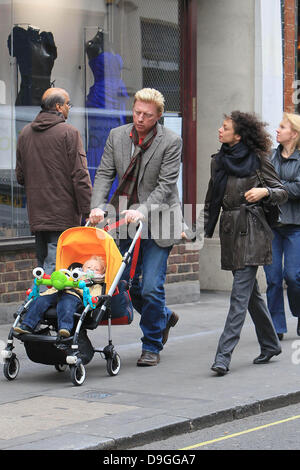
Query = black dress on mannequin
x=95 y=46
x=35 y=53
x=108 y=93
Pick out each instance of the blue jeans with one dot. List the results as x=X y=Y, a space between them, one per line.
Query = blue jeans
x=46 y=244
x=285 y=265
x=66 y=305
x=148 y=293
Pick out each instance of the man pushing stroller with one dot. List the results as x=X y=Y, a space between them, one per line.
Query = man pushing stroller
x=147 y=191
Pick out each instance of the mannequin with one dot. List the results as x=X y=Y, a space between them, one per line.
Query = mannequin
x=35 y=53
x=109 y=93
x=95 y=46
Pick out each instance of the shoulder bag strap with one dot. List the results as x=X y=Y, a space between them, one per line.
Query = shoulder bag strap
x=260 y=177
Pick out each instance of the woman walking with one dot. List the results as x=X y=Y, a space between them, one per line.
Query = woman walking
x=245 y=236
x=286 y=242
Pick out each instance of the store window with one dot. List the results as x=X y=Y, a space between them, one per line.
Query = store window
x=161 y=66
x=101 y=52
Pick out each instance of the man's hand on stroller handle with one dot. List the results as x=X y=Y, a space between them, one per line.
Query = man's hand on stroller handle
x=96 y=216
x=132 y=215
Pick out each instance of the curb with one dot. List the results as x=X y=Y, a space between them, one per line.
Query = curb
x=202 y=422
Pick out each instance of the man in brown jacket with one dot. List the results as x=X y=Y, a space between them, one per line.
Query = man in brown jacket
x=52 y=165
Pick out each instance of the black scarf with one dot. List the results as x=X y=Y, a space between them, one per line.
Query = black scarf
x=237 y=161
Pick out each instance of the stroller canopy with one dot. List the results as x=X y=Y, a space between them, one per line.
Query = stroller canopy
x=77 y=244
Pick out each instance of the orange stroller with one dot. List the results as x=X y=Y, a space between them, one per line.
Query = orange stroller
x=43 y=345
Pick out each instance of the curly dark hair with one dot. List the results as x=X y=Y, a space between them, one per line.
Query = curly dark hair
x=252 y=132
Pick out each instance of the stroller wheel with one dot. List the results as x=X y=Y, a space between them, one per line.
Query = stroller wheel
x=77 y=373
x=11 y=367
x=60 y=367
x=113 y=365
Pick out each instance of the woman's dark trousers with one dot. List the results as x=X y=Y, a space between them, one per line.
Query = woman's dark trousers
x=245 y=295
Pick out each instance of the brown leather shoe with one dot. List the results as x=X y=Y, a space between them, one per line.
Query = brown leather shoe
x=172 y=322
x=148 y=359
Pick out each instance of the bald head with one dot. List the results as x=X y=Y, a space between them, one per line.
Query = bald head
x=56 y=99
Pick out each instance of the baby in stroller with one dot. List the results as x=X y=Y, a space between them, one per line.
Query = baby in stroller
x=66 y=301
x=106 y=301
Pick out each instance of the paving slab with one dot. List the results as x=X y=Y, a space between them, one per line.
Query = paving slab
x=42 y=409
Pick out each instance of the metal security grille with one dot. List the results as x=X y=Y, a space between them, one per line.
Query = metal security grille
x=161 y=56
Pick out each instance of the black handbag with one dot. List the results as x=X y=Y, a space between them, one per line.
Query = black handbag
x=272 y=211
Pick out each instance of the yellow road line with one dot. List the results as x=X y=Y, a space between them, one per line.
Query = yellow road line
x=201 y=444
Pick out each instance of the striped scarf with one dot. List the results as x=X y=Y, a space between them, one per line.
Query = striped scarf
x=127 y=189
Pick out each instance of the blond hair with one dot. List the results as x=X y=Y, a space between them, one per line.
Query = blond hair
x=150 y=95
x=294 y=120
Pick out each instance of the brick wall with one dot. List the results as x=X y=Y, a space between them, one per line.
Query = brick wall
x=16 y=270
x=289 y=51
x=183 y=264
x=16 y=274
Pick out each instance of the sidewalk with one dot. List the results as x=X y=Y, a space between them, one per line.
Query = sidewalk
x=42 y=410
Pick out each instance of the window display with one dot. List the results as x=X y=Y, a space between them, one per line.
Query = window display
x=108 y=94
x=96 y=50
x=35 y=53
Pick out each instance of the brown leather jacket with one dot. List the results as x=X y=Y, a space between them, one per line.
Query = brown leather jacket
x=245 y=237
x=52 y=165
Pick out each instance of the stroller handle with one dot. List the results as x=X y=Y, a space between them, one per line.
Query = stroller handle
x=124 y=262
x=88 y=223
x=109 y=227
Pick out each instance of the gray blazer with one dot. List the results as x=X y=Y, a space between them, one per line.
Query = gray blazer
x=157 y=181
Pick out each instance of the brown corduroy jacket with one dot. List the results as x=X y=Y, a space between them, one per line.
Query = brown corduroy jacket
x=51 y=163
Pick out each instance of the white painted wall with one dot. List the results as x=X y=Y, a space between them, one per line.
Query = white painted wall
x=239 y=67
x=268 y=63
